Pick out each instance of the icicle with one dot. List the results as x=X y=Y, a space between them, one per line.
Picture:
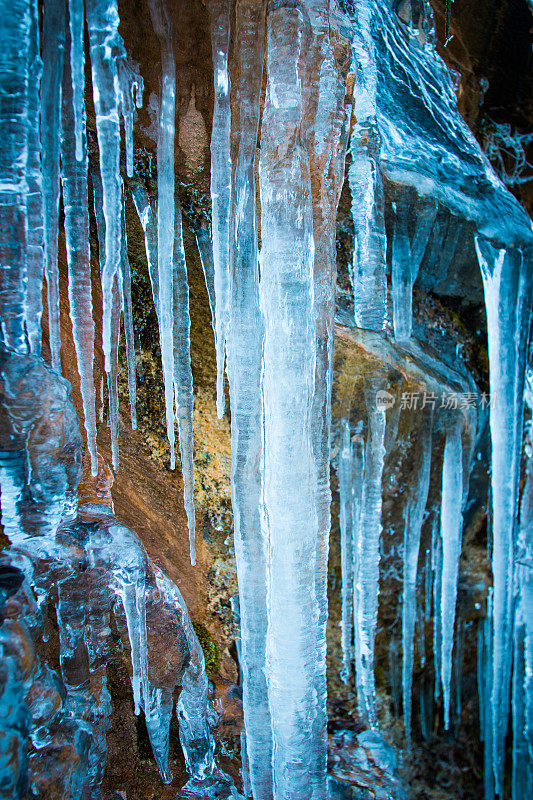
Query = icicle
x=407 y=255
x=130 y=92
x=148 y=219
x=115 y=305
x=345 y=496
x=327 y=75
x=77 y=71
x=358 y=472
x=450 y=530
x=221 y=182
x=165 y=208
x=75 y=204
x=507 y=285
x=522 y=697
x=106 y=47
x=53 y=54
x=458 y=668
x=34 y=200
x=413 y=518
x=244 y=349
x=15 y=47
x=436 y=566
x=368 y=270
x=204 y=242
x=289 y=357
x=369 y=557
x=191 y=710
x=128 y=321
x=183 y=387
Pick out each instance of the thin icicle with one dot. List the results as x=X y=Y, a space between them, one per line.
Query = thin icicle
x=413 y=519
x=369 y=556
x=53 y=54
x=451 y=523
x=128 y=321
x=165 y=208
x=183 y=386
x=75 y=204
x=436 y=566
x=115 y=304
x=358 y=472
x=148 y=219
x=34 y=200
x=345 y=521
x=221 y=182
x=130 y=93
x=204 y=242
x=77 y=71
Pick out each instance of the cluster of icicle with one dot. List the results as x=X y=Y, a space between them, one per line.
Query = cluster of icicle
x=416 y=137
x=54 y=166
x=43 y=158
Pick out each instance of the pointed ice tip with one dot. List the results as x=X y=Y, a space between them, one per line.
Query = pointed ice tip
x=94 y=465
x=193 y=557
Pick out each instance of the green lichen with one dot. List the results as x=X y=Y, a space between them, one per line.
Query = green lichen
x=209 y=648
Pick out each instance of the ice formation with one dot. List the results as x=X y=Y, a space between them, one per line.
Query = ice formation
x=270 y=269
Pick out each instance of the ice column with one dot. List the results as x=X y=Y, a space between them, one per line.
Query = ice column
x=413 y=518
x=221 y=181
x=289 y=356
x=75 y=204
x=507 y=284
x=15 y=49
x=53 y=54
x=244 y=349
x=367 y=586
x=451 y=523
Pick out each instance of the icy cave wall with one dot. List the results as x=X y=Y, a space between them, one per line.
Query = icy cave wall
x=349 y=100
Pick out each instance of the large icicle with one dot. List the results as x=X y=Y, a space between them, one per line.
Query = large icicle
x=221 y=181
x=15 y=48
x=327 y=73
x=507 y=284
x=451 y=523
x=345 y=521
x=53 y=54
x=34 y=200
x=183 y=388
x=165 y=208
x=244 y=349
x=289 y=357
x=127 y=308
x=76 y=208
x=369 y=555
x=413 y=518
